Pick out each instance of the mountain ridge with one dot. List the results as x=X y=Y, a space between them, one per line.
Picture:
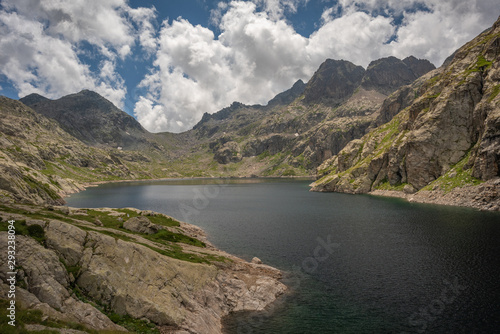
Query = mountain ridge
x=240 y=134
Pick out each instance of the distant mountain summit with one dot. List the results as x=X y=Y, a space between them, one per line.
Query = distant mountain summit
x=337 y=80
x=334 y=82
x=289 y=95
x=33 y=99
x=386 y=75
x=280 y=100
x=91 y=118
x=419 y=67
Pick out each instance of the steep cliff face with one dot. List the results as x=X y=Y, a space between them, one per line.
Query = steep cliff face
x=74 y=263
x=447 y=137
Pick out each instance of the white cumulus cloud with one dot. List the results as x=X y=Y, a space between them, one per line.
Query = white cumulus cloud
x=41 y=44
x=258 y=54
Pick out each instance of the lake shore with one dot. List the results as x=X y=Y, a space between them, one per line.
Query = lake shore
x=207 y=289
x=482 y=197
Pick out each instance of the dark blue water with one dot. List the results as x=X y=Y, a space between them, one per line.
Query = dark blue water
x=354 y=263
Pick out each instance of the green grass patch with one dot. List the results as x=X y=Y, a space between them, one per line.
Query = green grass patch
x=385 y=185
x=432 y=81
x=177 y=253
x=166 y=235
x=456 y=177
x=104 y=218
x=481 y=65
x=164 y=221
x=389 y=132
x=24 y=316
x=494 y=93
x=435 y=96
x=134 y=325
x=34 y=231
x=74 y=270
x=263 y=155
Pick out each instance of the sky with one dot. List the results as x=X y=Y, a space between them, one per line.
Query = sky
x=167 y=62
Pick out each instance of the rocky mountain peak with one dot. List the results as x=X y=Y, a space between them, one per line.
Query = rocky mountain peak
x=289 y=95
x=419 y=67
x=86 y=100
x=334 y=82
x=220 y=115
x=385 y=75
x=91 y=118
x=32 y=99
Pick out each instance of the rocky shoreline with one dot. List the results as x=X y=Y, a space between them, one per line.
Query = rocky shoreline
x=85 y=272
x=485 y=196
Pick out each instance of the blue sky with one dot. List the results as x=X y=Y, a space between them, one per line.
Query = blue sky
x=168 y=62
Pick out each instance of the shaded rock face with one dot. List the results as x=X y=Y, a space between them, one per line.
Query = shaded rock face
x=33 y=99
x=229 y=152
x=388 y=74
x=418 y=67
x=272 y=144
x=333 y=83
x=446 y=137
x=288 y=96
x=396 y=102
x=91 y=118
x=220 y=115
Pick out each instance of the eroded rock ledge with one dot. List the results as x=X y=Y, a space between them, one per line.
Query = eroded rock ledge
x=79 y=271
x=483 y=197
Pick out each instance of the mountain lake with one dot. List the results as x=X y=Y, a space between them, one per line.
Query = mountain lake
x=353 y=263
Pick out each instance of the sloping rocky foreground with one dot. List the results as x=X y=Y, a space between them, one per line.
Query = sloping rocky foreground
x=90 y=266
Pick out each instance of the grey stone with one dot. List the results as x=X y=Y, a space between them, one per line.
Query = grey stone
x=141 y=224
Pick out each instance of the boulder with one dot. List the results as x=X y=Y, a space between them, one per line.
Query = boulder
x=141 y=224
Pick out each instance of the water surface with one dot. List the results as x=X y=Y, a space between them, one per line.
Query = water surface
x=388 y=266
